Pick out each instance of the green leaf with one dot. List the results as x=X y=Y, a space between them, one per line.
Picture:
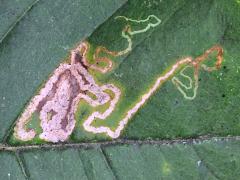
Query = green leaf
x=38 y=43
x=181 y=159
x=170 y=137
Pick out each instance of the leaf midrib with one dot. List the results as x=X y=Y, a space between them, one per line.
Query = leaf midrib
x=86 y=145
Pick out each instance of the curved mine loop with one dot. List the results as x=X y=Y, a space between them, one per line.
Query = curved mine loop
x=158 y=21
x=35 y=105
x=87 y=124
x=183 y=87
x=161 y=79
x=126 y=34
x=58 y=100
x=123 y=122
x=219 y=57
x=186 y=77
x=82 y=49
x=196 y=65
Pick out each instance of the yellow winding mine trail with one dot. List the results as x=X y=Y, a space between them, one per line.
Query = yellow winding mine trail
x=58 y=100
x=196 y=63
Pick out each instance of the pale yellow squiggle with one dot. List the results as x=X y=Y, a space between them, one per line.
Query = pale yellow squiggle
x=179 y=84
x=130 y=32
x=158 y=21
x=53 y=133
x=52 y=130
x=127 y=34
x=196 y=64
x=129 y=48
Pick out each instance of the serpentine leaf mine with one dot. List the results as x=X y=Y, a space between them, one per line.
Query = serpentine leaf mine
x=57 y=102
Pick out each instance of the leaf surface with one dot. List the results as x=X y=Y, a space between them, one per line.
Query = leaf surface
x=169 y=137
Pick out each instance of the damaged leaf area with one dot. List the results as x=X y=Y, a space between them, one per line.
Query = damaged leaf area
x=111 y=78
x=57 y=102
x=117 y=89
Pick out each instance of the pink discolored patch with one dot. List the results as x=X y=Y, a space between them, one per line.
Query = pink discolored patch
x=57 y=101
